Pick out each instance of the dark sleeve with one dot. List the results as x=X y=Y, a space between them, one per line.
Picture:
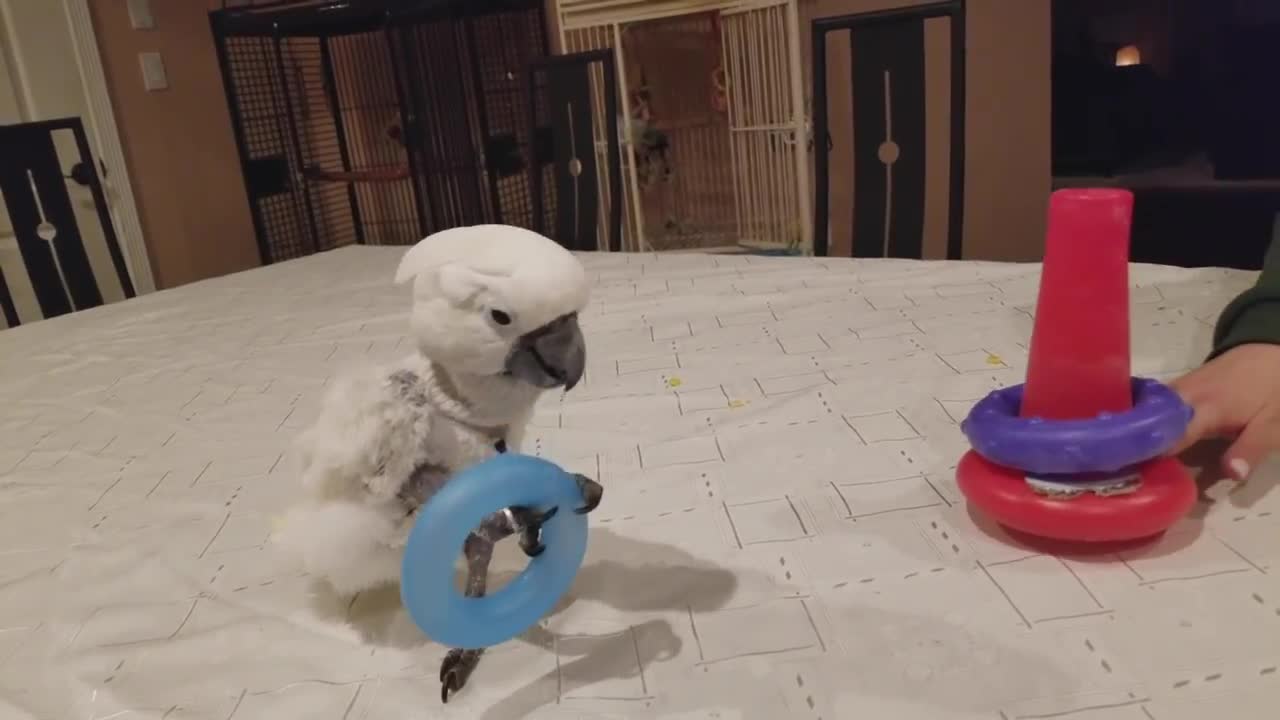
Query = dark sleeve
x=1254 y=315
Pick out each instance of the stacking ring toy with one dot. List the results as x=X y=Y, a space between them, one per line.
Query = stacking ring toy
x=1163 y=497
x=1076 y=452
x=427 y=575
x=1106 y=443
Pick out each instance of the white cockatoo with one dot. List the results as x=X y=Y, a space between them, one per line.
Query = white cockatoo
x=495 y=324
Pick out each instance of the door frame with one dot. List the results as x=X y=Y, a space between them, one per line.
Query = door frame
x=100 y=124
x=821 y=27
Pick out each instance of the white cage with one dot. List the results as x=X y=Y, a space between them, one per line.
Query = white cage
x=712 y=119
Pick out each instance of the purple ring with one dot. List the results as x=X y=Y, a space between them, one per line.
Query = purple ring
x=1107 y=443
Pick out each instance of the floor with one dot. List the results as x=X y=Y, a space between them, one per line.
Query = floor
x=781 y=535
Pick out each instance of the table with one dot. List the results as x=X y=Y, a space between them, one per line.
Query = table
x=781 y=536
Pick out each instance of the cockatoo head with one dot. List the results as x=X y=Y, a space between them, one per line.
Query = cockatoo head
x=498 y=300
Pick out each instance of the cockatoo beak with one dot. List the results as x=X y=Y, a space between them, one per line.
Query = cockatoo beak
x=553 y=355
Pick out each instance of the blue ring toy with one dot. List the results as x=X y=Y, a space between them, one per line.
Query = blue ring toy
x=1107 y=443
x=426 y=581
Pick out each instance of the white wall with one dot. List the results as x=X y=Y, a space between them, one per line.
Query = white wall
x=43 y=57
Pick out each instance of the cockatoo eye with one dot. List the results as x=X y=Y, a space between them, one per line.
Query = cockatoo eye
x=500 y=317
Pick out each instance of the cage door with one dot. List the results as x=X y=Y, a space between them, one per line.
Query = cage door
x=576 y=169
x=767 y=126
x=888 y=91
x=436 y=78
x=266 y=101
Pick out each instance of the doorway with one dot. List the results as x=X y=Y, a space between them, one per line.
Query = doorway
x=889 y=179
x=1175 y=101
x=50 y=71
x=711 y=121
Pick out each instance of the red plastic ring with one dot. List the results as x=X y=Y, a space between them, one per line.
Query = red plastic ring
x=1166 y=494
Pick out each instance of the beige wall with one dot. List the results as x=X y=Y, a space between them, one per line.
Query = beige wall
x=178 y=142
x=1008 y=176
x=1007 y=148
x=553 y=26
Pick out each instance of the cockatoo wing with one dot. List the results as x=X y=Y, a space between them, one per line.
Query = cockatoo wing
x=366 y=440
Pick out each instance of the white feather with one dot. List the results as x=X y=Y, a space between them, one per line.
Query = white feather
x=365 y=438
x=524 y=268
x=351 y=544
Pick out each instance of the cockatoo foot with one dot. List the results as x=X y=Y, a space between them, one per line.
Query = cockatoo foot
x=528 y=522
x=456 y=669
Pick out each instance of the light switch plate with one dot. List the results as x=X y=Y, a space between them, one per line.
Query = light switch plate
x=140 y=16
x=153 y=74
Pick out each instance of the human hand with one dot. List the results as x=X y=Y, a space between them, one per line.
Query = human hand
x=1236 y=396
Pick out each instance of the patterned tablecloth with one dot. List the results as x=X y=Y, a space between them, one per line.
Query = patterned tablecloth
x=781 y=535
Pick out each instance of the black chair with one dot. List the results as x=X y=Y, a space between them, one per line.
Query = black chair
x=33 y=184
x=6 y=303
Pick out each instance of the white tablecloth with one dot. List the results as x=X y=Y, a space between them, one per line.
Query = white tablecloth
x=781 y=536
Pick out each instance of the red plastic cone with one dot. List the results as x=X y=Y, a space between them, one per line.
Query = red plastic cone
x=1078 y=368
x=1079 y=358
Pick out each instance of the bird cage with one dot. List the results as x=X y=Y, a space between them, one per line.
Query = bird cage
x=382 y=121
x=712 y=122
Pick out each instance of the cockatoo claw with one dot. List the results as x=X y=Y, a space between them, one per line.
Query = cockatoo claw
x=592 y=492
x=529 y=523
x=455 y=670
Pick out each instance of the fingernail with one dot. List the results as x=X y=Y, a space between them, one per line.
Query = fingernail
x=1240 y=468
